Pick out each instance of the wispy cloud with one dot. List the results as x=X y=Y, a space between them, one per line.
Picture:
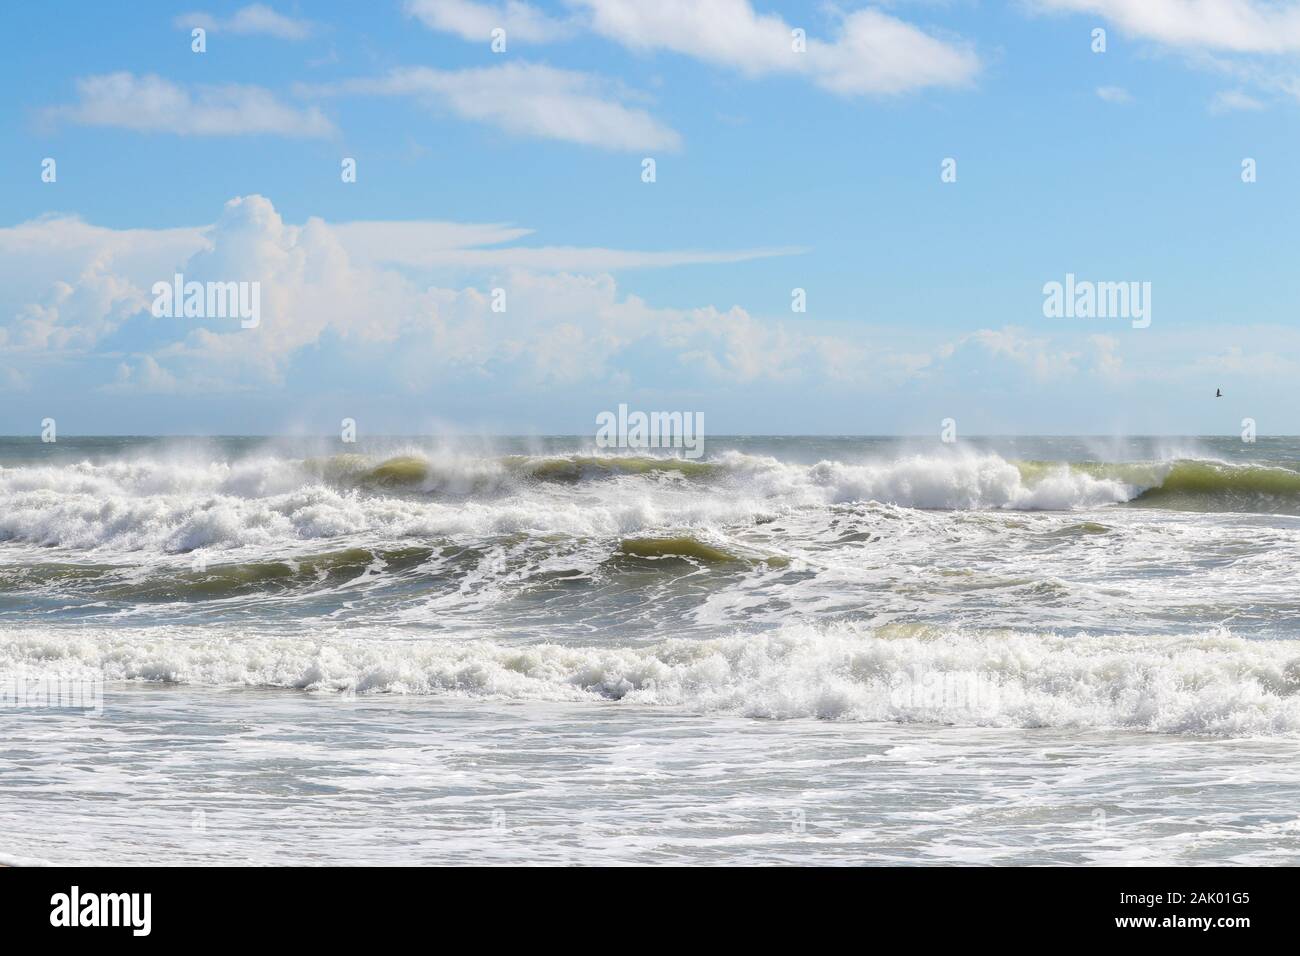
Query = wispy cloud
x=1238 y=26
x=1232 y=101
x=441 y=244
x=1114 y=94
x=879 y=54
x=1253 y=42
x=870 y=52
x=476 y=21
x=152 y=104
x=254 y=19
x=527 y=100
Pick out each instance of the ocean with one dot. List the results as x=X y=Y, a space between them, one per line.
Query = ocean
x=798 y=650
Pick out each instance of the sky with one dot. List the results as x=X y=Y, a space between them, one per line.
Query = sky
x=916 y=172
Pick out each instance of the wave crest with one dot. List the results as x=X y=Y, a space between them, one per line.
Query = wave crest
x=1200 y=684
x=174 y=506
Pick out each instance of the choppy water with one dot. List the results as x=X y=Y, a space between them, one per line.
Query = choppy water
x=849 y=649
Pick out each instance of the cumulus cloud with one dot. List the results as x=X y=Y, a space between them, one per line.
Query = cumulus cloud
x=1045 y=361
x=254 y=19
x=83 y=289
x=527 y=100
x=152 y=104
x=372 y=296
x=1107 y=361
x=143 y=374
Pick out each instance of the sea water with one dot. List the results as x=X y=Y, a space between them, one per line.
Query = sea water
x=855 y=650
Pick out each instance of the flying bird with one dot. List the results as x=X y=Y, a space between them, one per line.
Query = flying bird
x=1218 y=393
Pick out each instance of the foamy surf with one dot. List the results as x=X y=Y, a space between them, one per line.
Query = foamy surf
x=1208 y=684
x=175 y=506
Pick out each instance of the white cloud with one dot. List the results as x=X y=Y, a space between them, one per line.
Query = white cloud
x=375 y=296
x=435 y=244
x=873 y=52
x=152 y=104
x=1231 y=101
x=870 y=53
x=740 y=348
x=67 y=288
x=476 y=21
x=528 y=100
x=1107 y=362
x=77 y=313
x=144 y=375
x=1045 y=362
x=1238 y=26
x=1252 y=42
x=1269 y=76
x=726 y=32
x=1114 y=94
x=1235 y=361
x=254 y=19
x=876 y=53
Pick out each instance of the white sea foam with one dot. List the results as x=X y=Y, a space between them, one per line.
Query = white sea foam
x=946 y=482
x=1201 y=684
x=8 y=859
x=176 y=506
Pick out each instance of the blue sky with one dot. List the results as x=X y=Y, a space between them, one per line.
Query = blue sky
x=521 y=170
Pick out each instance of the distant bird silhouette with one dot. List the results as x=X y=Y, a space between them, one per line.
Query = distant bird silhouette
x=1218 y=393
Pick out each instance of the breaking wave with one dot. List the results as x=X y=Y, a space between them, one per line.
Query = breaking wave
x=175 y=506
x=1208 y=683
x=1214 y=486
